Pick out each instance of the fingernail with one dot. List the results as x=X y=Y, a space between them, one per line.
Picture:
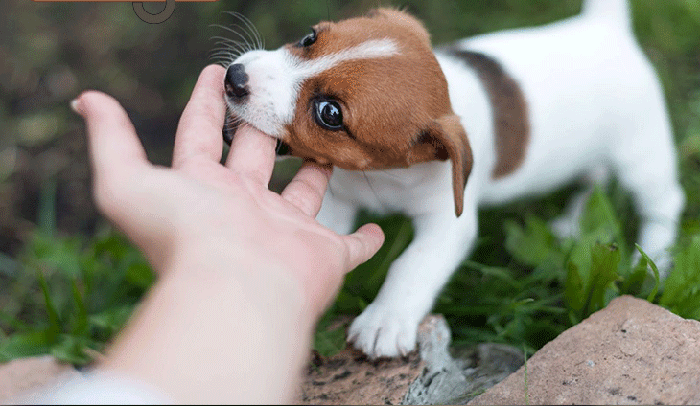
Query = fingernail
x=77 y=106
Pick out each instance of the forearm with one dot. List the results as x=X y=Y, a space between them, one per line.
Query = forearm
x=211 y=337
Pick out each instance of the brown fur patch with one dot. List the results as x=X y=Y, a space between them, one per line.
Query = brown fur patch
x=396 y=108
x=511 y=122
x=386 y=102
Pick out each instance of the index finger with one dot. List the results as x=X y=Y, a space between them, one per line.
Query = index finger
x=199 y=131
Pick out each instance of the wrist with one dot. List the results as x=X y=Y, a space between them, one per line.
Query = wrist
x=202 y=329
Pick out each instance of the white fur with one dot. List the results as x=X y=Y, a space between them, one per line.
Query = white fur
x=593 y=99
x=275 y=78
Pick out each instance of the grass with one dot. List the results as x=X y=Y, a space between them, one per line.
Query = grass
x=545 y=286
x=74 y=293
x=69 y=294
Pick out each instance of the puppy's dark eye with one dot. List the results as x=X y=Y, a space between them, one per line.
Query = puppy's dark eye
x=328 y=114
x=309 y=39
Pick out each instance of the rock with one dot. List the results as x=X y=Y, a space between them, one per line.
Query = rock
x=442 y=379
x=631 y=352
x=350 y=378
x=448 y=380
x=25 y=374
x=429 y=376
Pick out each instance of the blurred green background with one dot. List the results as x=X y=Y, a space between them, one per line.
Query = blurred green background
x=49 y=228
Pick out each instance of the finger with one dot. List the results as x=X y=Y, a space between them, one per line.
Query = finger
x=363 y=244
x=114 y=145
x=252 y=154
x=199 y=131
x=307 y=188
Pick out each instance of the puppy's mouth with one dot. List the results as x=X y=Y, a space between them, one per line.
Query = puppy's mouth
x=232 y=124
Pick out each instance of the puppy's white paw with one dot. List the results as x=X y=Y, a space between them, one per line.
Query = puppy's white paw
x=565 y=226
x=384 y=331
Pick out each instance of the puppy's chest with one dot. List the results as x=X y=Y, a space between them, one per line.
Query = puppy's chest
x=418 y=189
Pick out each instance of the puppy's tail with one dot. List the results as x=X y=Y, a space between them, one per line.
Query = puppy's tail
x=617 y=12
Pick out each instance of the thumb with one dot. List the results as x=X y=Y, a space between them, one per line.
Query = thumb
x=114 y=148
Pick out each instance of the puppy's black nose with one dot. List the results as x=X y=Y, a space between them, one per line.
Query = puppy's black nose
x=235 y=82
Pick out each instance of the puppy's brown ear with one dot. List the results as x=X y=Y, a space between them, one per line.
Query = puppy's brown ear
x=403 y=18
x=448 y=140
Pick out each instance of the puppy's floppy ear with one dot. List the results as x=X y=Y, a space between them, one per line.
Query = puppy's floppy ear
x=449 y=141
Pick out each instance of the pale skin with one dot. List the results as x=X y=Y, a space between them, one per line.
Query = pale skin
x=243 y=272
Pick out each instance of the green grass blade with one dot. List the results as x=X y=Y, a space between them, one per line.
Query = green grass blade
x=655 y=269
x=81 y=324
x=604 y=264
x=25 y=344
x=47 y=207
x=54 y=327
x=71 y=349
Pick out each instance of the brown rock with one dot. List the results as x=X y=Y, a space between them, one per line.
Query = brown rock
x=631 y=352
x=25 y=374
x=350 y=378
x=430 y=376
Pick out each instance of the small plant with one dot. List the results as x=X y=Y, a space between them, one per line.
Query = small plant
x=71 y=294
x=548 y=285
x=86 y=291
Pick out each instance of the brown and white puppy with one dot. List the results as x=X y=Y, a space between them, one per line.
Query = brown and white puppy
x=436 y=134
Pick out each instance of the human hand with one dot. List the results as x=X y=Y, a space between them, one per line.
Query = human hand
x=218 y=219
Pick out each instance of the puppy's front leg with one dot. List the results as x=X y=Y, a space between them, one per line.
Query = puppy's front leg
x=387 y=327
x=337 y=214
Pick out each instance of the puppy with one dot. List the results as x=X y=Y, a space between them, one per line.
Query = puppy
x=483 y=121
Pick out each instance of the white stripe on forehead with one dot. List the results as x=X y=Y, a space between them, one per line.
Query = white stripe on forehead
x=299 y=70
x=276 y=78
x=377 y=48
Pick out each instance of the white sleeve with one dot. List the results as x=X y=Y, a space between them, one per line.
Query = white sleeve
x=96 y=387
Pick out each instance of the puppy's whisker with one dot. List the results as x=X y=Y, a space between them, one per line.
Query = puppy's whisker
x=253 y=29
x=251 y=37
x=224 y=40
x=221 y=50
x=228 y=51
x=224 y=61
x=245 y=38
x=258 y=40
x=229 y=42
x=236 y=50
x=223 y=58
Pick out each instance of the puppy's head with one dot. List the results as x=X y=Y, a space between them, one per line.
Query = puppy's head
x=363 y=93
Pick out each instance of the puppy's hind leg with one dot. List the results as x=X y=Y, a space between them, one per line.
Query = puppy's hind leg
x=568 y=224
x=647 y=167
